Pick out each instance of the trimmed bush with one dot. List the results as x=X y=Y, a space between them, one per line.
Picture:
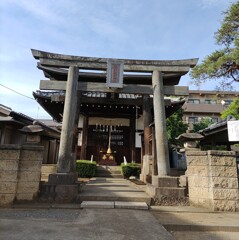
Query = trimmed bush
x=130 y=169
x=85 y=168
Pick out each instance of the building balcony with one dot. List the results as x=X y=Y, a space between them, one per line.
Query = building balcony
x=203 y=108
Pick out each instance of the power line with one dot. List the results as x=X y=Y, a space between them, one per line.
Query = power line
x=16 y=92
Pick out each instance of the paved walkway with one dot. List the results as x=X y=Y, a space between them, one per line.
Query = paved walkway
x=86 y=224
x=69 y=221
x=113 y=189
x=188 y=223
x=181 y=222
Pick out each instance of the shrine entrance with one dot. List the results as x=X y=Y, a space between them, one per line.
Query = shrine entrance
x=89 y=88
x=108 y=144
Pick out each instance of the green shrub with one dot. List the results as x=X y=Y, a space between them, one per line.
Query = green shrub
x=85 y=168
x=130 y=169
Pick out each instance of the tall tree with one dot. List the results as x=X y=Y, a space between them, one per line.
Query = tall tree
x=222 y=64
x=175 y=127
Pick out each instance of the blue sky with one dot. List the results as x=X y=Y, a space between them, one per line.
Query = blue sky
x=136 y=29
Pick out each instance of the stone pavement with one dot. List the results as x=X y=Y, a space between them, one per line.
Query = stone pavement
x=188 y=223
x=113 y=189
x=86 y=224
x=68 y=221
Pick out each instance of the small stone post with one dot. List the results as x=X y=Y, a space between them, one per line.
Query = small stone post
x=160 y=124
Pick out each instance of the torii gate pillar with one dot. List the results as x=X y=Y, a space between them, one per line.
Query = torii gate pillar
x=64 y=181
x=66 y=158
x=160 y=124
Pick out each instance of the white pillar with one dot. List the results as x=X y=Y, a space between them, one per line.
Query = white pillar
x=160 y=124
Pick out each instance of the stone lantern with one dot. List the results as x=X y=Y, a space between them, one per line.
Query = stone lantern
x=190 y=140
x=33 y=133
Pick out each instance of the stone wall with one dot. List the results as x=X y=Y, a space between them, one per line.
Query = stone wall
x=20 y=171
x=213 y=180
x=46 y=170
x=9 y=162
x=29 y=172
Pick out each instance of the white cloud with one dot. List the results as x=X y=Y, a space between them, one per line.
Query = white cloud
x=44 y=10
x=106 y=28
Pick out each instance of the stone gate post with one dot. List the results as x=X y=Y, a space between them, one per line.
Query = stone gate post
x=213 y=180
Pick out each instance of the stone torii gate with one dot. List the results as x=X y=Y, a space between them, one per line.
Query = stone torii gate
x=159 y=70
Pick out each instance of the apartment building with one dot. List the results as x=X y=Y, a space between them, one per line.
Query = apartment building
x=202 y=103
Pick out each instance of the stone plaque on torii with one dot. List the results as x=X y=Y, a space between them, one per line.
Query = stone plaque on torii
x=115 y=72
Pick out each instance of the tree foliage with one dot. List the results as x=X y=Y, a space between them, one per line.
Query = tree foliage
x=175 y=127
x=216 y=65
x=228 y=33
x=204 y=123
x=232 y=110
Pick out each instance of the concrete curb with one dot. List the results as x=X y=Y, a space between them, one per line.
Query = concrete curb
x=200 y=228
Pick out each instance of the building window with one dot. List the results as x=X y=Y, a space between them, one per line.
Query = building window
x=194 y=101
x=209 y=101
x=192 y=119
x=227 y=102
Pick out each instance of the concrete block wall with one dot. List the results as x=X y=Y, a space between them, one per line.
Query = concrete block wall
x=20 y=171
x=9 y=161
x=213 y=180
x=29 y=172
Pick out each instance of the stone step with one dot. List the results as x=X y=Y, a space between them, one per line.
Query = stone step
x=97 y=204
x=166 y=181
x=165 y=191
x=171 y=201
x=81 y=198
x=116 y=204
x=176 y=172
x=169 y=191
x=103 y=175
x=108 y=168
x=108 y=171
x=112 y=189
x=200 y=228
x=168 y=196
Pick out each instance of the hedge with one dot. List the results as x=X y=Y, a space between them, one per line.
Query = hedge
x=86 y=168
x=130 y=169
